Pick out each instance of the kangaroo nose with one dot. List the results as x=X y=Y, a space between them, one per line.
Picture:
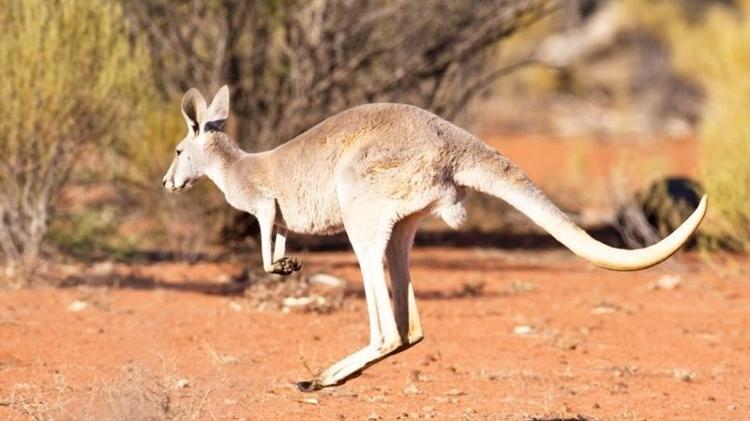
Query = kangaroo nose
x=164 y=181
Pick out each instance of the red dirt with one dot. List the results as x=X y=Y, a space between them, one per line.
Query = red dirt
x=602 y=345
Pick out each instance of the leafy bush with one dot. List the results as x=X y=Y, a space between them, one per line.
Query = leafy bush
x=710 y=44
x=70 y=77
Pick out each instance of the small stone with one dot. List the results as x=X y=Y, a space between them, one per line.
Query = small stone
x=310 y=401
x=521 y=286
x=454 y=392
x=235 y=306
x=605 y=308
x=523 y=330
x=684 y=375
x=77 y=306
x=182 y=383
x=228 y=359
x=291 y=302
x=411 y=389
x=103 y=269
x=327 y=280
x=416 y=375
x=373 y=417
x=666 y=282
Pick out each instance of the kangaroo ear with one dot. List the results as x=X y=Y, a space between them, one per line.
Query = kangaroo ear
x=218 y=111
x=193 y=109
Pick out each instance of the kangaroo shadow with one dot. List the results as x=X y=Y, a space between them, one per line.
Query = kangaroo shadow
x=238 y=288
x=458 y=239
x=576 y=418
x=139 y=282
x=467 y=291
x=463 y=239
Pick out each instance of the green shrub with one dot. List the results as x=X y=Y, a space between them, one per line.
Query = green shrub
x=70 y=78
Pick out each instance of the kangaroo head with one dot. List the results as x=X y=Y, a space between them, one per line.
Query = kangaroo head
x=192 y=156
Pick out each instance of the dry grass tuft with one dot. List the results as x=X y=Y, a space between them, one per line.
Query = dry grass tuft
x=138 y=394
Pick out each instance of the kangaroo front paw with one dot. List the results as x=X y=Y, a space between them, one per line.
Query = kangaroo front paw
x=286 y=266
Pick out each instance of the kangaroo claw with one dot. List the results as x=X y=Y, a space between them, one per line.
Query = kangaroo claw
x=286 y=266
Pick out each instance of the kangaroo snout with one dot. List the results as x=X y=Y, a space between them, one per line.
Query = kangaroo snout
x=168 y=183
x=173 y=187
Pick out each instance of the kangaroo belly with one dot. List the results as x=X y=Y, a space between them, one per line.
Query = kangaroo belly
x=316 y=215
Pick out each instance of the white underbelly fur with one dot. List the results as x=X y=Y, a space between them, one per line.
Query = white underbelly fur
x=314 y=220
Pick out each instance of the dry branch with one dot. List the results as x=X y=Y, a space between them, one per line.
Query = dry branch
x=293 y=63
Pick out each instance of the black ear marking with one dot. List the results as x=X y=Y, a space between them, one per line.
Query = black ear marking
x=214 y=126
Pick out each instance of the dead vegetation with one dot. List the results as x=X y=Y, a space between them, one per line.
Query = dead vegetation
x=137 y=394
x=649 y=215
x=293 y=63
x=316 y=293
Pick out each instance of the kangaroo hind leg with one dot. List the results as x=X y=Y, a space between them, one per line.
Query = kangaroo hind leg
x=404 y=303
x=369 y=235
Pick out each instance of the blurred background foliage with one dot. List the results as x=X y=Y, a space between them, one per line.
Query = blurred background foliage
x=72 y=86
x=710 y=45
x=93 y=89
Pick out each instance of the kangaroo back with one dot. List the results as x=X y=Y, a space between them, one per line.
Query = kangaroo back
x=486 y=170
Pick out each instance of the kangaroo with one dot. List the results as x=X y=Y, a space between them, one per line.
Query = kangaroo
x=374 y=171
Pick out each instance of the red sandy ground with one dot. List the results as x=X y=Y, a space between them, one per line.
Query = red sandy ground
x=602 y=345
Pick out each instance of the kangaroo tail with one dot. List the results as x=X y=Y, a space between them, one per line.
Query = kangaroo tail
x=488 y=171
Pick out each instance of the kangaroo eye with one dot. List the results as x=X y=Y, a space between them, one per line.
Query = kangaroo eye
x=178 y=152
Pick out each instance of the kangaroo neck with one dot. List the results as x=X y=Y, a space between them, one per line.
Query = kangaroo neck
x=223 y=157
x=245 y=181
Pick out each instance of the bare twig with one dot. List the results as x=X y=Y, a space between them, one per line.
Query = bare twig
x=292 y=64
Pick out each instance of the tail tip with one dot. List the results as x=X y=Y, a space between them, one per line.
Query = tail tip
x=703 y=204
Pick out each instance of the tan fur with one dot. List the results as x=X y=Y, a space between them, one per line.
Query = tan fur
x=374 y=171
